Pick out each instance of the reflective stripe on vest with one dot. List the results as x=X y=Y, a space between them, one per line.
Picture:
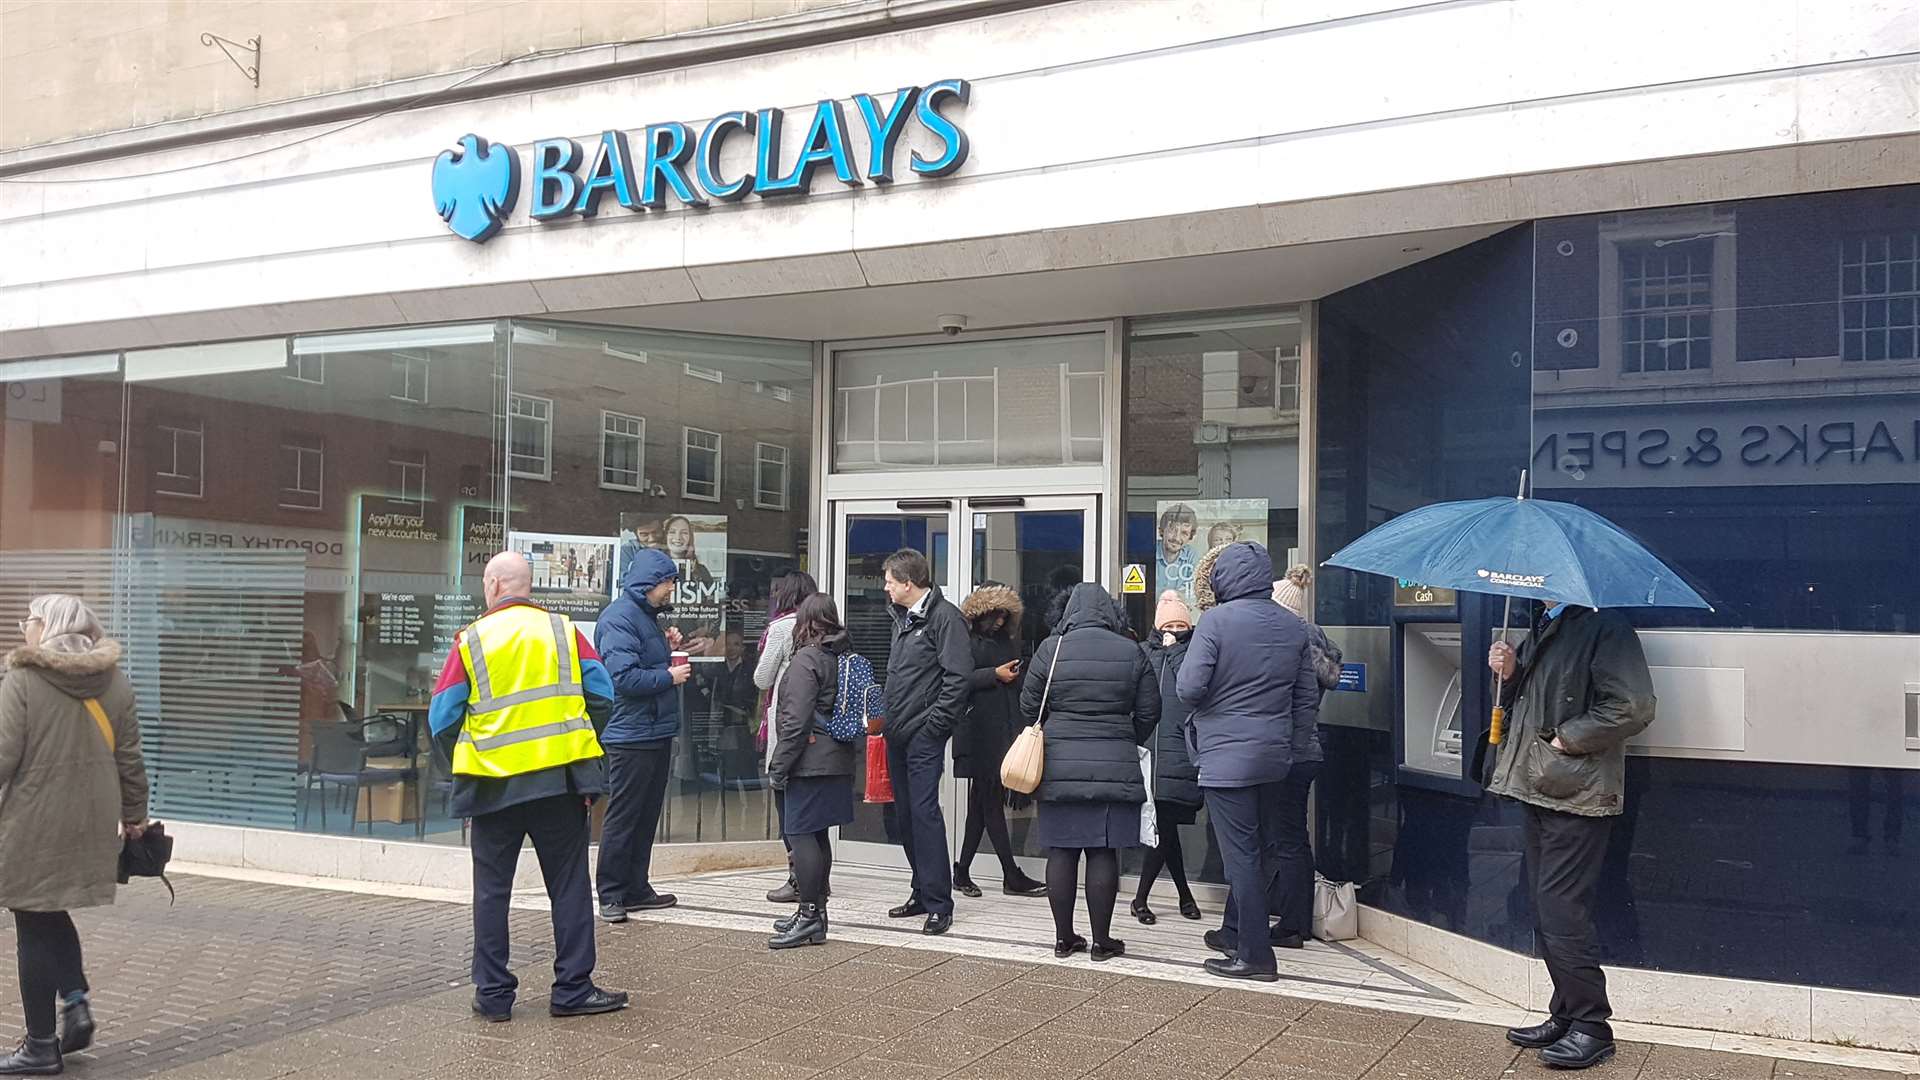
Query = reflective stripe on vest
x=528 y=710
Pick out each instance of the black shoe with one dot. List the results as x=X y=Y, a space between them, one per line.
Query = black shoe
x=907 y=910
x=1022 y=885
x=963 y=881
x=76 y=1026
x=785 y=894
x=489 y=1015
x=785 y=922
x=1287 y=939
x=809 y=927
x=1577 y=1050
x=1108 y=949
x=1219 y=942
x=937 y=925
x=33 y=1057
x=1236 y=968
x=655 y=902
x=1539 y=1036
x=1144 y=913
x=613 y=913
x=1066 y=947
x=597 y=1001
x=1189 y=909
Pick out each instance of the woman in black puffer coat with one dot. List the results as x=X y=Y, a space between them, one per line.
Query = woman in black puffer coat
x=1103 y=704
x=993 y=612
x=1176 y=780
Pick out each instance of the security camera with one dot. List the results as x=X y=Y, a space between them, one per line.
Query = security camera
x=951 y=325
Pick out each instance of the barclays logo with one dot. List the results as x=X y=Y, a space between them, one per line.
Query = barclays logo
x=475 y=188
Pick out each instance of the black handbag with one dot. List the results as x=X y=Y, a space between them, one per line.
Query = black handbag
x=148 y=857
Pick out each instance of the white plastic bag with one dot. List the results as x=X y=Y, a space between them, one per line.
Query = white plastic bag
x=1149 y=817
x=1336 y=910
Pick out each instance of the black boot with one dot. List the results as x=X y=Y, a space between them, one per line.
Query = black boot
x=809 y=928
x=33 y=1057
x=785 y=922
x=785 y=894
x=76 y=1025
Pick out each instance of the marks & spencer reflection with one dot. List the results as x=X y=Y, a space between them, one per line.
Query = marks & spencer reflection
x=476 y=187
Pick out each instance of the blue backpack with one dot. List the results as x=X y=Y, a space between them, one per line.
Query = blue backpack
x=853 y=702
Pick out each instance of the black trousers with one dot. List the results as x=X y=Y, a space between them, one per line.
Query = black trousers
x=1291 y=897
x=637 y=777
x=812 y=866
x=1244 y=821
x=987 y=816
x=559 y=830
x=916 y=767
x=1565 y=853
x=47 y=948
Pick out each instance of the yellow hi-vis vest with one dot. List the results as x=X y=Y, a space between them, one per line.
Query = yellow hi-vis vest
x=527 y=711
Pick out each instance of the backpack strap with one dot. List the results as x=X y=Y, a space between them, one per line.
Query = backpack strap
x=100 y=718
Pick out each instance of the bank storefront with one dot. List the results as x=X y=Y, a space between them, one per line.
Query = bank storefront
x=930 y=320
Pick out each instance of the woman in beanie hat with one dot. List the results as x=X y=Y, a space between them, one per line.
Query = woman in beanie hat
x=1294 y=884
x=1176 y=783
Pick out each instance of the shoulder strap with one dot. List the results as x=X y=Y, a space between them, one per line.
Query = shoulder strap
x=100 y=717
x=1047 y=691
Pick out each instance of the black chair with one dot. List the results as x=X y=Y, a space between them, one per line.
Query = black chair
x=340 y=760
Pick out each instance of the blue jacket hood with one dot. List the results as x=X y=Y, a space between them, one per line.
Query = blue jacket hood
x=650 y=568
x=1244 y=569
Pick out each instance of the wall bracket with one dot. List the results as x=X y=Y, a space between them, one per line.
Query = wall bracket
x=229 y=47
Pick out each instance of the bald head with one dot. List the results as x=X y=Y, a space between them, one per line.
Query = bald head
x=508 y=574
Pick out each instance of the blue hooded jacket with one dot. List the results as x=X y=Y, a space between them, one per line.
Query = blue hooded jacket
x=646 y=704
x=1248 y=676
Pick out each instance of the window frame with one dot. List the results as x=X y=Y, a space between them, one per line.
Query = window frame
x=399 y=491
x=425 y=364
x=173 y=432
x=640 y=444
x=760 y=463
x=317 y=446
x=1857 y=240
x=686 y=457
x=297 y=364
x=546 y=458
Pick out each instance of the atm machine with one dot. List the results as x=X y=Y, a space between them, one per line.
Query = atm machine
x=1441 y=692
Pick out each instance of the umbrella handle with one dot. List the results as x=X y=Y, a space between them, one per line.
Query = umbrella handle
x=1497 y=729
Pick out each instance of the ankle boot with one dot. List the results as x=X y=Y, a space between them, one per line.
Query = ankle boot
x=785 y=894
x=33 y=1057
x=785 y=922
x=76 y=1024
x=809 y=928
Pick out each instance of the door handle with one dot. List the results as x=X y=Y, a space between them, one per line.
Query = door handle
x=1913 y=716
x=997 y=502
x=924 y=504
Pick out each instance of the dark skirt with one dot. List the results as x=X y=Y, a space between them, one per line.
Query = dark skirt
x=1170 y=812
x=817 y=802
x=1088 y=825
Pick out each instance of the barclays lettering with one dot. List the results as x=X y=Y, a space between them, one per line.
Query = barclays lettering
x=476 y=186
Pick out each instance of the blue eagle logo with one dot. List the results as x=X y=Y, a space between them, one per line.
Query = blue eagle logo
x=475 y=189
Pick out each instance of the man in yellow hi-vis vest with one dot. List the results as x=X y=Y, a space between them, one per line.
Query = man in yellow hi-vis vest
x=517 y=712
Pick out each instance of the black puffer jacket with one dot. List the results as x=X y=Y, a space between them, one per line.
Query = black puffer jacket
x=1176 y=778
x=1105 y=702
x=993 y=707
x=805 y=699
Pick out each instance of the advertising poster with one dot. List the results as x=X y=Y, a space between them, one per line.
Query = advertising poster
x=1186 y=529
x=572 y=575
x=697 y=543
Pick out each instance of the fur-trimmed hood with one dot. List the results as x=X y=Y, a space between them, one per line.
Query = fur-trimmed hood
x=1203 y=597
x=76 y=674
x=988 y=599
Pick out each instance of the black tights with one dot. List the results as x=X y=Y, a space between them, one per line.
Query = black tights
x=987 y=815
x=812 y=865
x=1169 y=855
x=1103 y=888
x=48 y=949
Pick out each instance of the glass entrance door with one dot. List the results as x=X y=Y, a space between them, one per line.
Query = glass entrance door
x=1039 y=546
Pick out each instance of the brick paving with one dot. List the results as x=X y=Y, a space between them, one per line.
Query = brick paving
x=257 y=982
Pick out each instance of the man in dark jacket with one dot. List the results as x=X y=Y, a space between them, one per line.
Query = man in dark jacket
x=639 y=740
x=1578 y=689
x=927 y=673
x=1249 y=679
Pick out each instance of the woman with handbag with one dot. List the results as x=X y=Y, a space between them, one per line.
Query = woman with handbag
x=814 y=769
x=1091 y=688
x=986 y=734
x=76 y=789
x=776 y=651
x=1176 y=781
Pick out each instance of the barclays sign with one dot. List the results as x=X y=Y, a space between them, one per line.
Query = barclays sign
x=476 y=187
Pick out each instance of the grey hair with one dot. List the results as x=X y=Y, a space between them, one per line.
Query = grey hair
x=63 y=616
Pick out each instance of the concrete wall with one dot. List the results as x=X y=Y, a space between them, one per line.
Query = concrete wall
x=81 y=67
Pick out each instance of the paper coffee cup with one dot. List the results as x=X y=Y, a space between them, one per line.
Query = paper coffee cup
x=680 y=659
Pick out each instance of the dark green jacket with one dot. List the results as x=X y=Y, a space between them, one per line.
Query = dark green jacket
x=1584 y=678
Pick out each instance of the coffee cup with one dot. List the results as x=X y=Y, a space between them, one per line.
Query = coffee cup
x=679 y=659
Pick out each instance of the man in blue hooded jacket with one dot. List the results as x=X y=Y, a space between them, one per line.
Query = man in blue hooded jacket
x=1249 y=679
x=639 y=739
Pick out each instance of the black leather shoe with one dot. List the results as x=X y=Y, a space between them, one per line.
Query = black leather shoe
x=1189 y=909
x=1023 y=886
x=963 y=882
x=1285 y=940
x=785 y=922
x=1108 y=949
x=1236 y=968
x=1539 y=1036
x=491 y=1016
x=1577 y=1050
x=596 y=1002
x=937 y=925
x=33 y=1057
x=76 y=1026
x=1143 y=913
x=613 y=913
x=907 y=910
x=1220 y=942
x=656 y=902
x=809 y=927
x=785 y=894
x=1067 y=947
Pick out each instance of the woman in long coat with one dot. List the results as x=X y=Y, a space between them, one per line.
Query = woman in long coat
x=75 y=786
x=1176 y=781
x=993 y=717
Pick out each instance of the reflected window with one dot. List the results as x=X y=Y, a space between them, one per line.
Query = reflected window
x=623 y=441
x=1880 y=296
x=303 y=461
x=407 y=475
x=769 y=476
x=701 y=472
x=410 y=378
x=1666 y=306
x=181 y=451
x=308 y=368
x=530 y=437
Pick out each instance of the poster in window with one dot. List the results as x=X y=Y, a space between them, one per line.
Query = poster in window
x=1186 y=529
x=572 y=575
x=697 y=544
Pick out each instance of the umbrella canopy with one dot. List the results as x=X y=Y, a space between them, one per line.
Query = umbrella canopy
x=1536 y=549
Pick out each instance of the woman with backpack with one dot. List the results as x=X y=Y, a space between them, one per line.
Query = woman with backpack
x=812 y=767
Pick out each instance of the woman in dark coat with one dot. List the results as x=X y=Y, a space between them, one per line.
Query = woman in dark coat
x=993 y=716
x=1103 y=704
x=1176 y=782
x=810 y=765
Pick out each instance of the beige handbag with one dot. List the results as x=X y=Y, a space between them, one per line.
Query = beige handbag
x=1020 y=769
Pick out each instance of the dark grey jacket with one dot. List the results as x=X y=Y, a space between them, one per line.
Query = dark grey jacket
x=1104 y=703
x=807 y=690
x=1584 y=678
x=927 y=671
x=1175 y=777
x=1248 y=676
